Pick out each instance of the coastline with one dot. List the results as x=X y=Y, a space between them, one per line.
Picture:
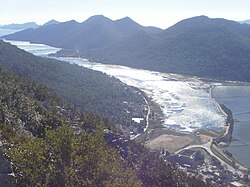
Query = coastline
x=155 y=130
x=157 y=137
x=224 y=140
x=154 y=135
x=160 y=139
x=227 y=135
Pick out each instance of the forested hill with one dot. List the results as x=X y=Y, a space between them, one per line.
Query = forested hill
x=89 y=90
x=20 y=26
x=48 y=143
x=95 y=32
x=245 y=22
x=199 y=46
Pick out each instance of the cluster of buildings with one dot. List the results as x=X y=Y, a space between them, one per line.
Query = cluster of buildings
x=199 y=163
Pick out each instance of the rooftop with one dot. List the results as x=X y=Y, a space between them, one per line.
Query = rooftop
x=188 y=153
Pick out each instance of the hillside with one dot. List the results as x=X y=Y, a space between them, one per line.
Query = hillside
x=199 y=46
x=51 y=22
x=52 y=34
x=22 y=26
x=49 y=143
x=96 y=32
x=88 y=90
x=245 y=22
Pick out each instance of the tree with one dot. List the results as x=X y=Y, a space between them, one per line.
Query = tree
x=31 y=164
x=65 y=159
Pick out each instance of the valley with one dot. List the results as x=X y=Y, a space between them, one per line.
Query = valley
x=104 y=101
x=182 y=109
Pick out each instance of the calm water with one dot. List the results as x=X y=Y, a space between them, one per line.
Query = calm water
x=237 y=98
x=185 y=103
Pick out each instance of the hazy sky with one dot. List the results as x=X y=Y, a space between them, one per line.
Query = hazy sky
x=161 y=13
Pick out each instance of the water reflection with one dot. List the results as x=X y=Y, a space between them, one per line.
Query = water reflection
x=184 y=101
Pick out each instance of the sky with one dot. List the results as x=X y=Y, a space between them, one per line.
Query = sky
x=159 y=13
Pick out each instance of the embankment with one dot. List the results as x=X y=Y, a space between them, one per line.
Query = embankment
x=229 y=123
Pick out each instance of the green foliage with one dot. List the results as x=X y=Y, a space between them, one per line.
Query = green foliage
x=88 y=90
x=50 y=144
x=199 y=46
x=7 y=132
x=28 y=106
x=63 y=159
x=30 y=164
x=95 y=32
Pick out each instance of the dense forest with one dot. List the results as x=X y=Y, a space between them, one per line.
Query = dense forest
x=97 y=31
x=49 y=143
x=198 y=46
x=87 y=90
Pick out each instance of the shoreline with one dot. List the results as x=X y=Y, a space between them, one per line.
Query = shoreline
x=199 y=136
x=149 y=133
x=154 y=133
x=152 y=127
x=226 y=138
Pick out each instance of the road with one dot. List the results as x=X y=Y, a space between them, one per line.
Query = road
x=147 y=121
x=207 y=148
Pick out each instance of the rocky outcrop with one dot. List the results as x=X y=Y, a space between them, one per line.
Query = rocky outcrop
x=6 y=174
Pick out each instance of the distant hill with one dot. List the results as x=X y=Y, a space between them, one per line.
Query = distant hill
x=51 y=22
x=23 y=26
x=246 y=22
x=199 y=46
x=128 y=26
x=51 y=35
x=96 y=32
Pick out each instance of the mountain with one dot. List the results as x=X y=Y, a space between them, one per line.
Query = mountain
x=88 y=90
x=96 y=32
x=51 y=34
x=199 y=46
x=47 y=142
x=246 y=22
x=23 y=26
x=51 y=22
x=128 y=26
